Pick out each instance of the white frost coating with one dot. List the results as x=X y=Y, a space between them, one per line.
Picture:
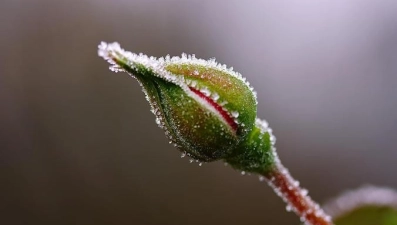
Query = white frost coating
x=194 y=83
x=293 y=186
x=205 y=91
x=235 y=114
x=112 y=52
x=264 y=126
x=366 y=195
x=215 y=96
x=211 y=63
x=223 y=103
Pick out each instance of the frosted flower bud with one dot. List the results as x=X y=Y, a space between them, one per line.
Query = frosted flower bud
x=206 y=109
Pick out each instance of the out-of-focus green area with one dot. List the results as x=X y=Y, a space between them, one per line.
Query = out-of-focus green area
x=370 y=215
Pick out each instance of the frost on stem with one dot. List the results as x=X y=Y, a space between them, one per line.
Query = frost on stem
x=295 y=197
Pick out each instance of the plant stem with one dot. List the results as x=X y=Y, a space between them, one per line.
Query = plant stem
x=296 y=197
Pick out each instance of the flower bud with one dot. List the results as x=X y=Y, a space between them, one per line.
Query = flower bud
x=206 y=109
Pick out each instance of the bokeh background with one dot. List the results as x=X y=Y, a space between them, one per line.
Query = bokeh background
x=79 y=146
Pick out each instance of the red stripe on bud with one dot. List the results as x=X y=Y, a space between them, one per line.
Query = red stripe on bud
x=225 y=115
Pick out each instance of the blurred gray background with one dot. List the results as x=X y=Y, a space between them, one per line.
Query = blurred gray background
x=78 y=144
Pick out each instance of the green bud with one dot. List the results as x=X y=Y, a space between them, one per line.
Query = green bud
x=206 y=109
